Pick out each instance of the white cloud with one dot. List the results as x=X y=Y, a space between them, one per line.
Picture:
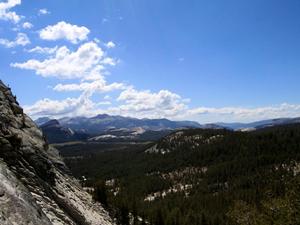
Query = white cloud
x=84 y=63
x=136 y=103
x=99 y=85
x=43 y=11
x=6 y=14
x=146 y=104
x=240 y=114
x=150 y=104
x=63 y=30
x=21 y=39
x=81 y=106
x=110 y=44
x=27 y=25
x=43 y=50
x=66 y=107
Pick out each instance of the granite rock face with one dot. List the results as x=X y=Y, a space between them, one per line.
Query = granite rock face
x=35 y=185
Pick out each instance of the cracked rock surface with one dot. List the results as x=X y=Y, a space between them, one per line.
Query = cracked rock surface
x=36 y=187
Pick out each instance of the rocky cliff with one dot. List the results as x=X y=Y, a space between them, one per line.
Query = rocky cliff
x=35 y=185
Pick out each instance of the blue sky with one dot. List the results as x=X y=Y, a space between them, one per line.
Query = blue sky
x=208 y=61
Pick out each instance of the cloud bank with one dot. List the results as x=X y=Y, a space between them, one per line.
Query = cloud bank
x=7 y=14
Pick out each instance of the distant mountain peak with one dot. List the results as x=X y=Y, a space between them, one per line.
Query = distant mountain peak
x=51 y=123
x=42 y=120
x=101 y=116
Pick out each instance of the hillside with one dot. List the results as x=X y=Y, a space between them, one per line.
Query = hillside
x=199 y=176
x=35 y=185
x=55 y=133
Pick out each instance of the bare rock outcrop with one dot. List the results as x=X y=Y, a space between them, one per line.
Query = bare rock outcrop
x=35 y=185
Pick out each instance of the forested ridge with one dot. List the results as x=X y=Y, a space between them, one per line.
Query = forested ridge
x=202 y=177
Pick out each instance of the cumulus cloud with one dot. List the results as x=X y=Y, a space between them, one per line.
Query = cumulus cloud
x=6 y=13
x=27 y=25
x=65 y=64
x=110 y=44
x=63 y=30
x=85 y=66
x=135 y=103
x=150 y=104
x=21 y=39
x=66 y=107
x=99 y=85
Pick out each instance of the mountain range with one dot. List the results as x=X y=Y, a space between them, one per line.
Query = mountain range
x=260 y=124
x=103 y=122
x=104 y=127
